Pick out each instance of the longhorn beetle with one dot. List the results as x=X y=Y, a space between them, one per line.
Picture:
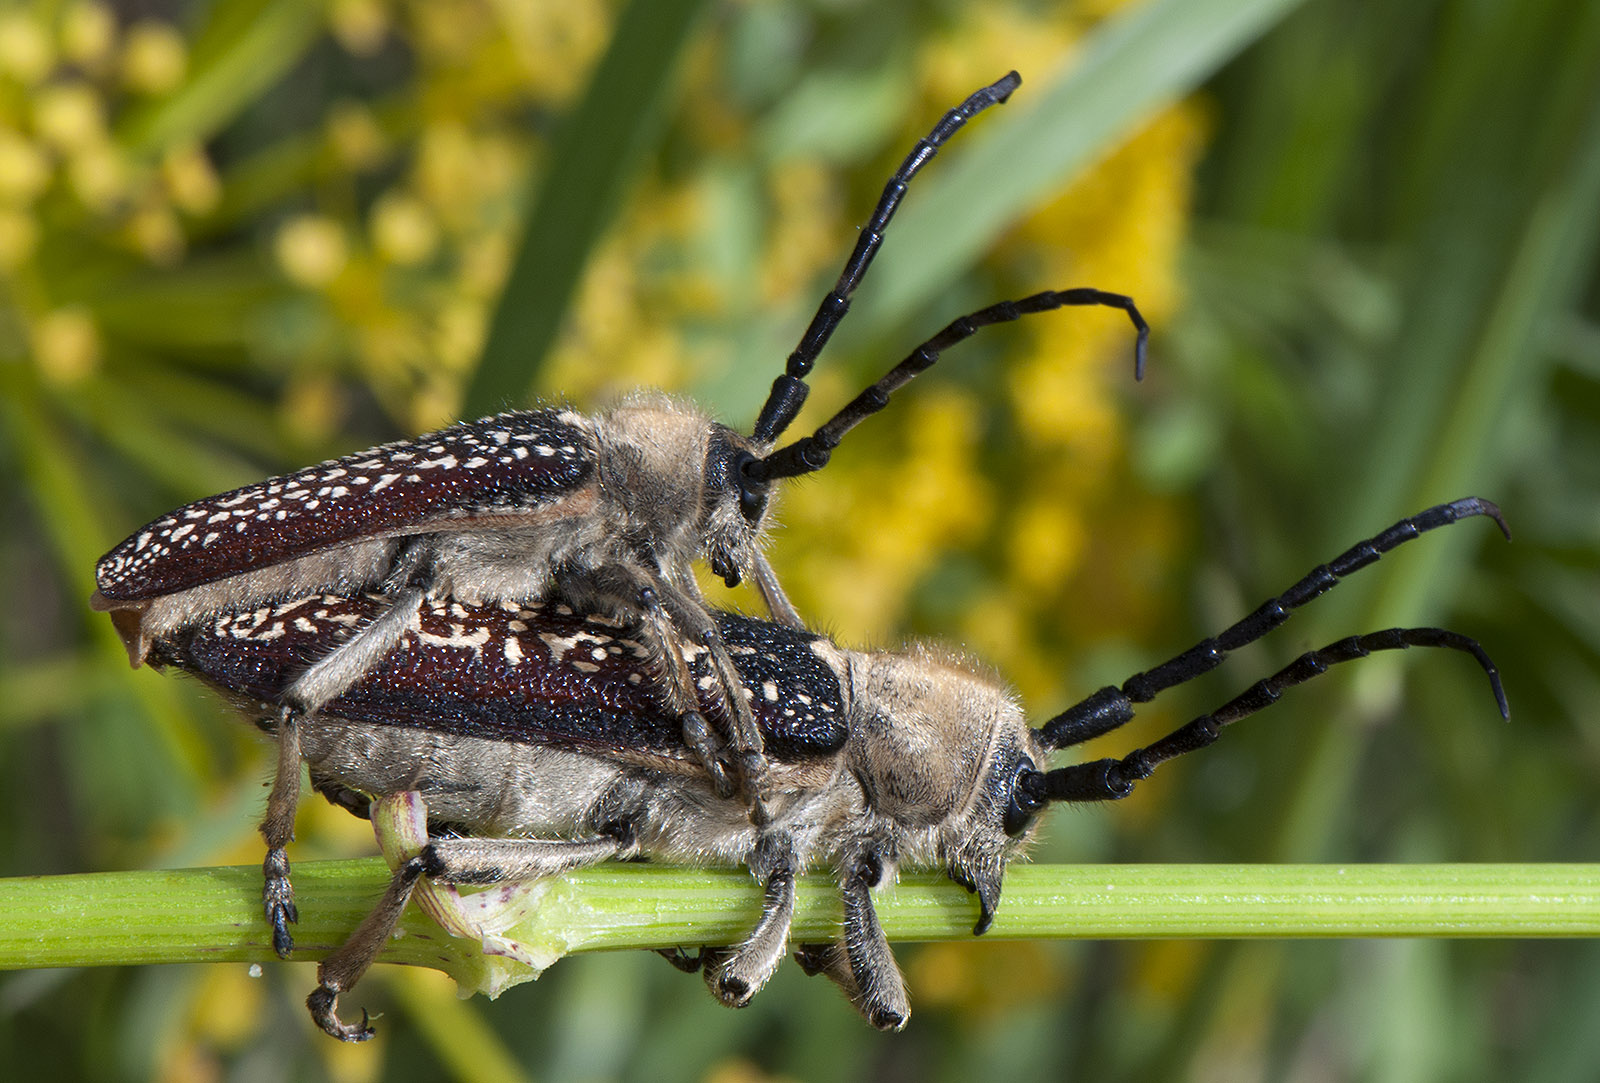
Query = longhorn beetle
x=530 y=733
x=606 y=512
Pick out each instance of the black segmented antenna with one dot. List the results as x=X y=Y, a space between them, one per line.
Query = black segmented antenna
x=1112 y=706
x=811 y=453
x=1110 y=779
x=789 y=390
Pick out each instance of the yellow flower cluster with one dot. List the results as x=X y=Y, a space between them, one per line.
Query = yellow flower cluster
x=410 y=284
x=67 y=74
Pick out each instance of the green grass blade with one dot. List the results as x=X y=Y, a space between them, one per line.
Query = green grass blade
x=591 y=161
x=245 y=47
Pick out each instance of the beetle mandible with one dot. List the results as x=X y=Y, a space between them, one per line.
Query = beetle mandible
x=608 y=512
x=531 y=734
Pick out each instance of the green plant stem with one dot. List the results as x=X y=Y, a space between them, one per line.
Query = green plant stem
x=213 y=914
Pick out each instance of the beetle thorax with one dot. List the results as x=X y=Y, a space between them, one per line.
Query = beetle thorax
x=652 y=456
x=928 y=726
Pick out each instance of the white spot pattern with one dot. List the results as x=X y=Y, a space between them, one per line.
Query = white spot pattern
x=478 y=467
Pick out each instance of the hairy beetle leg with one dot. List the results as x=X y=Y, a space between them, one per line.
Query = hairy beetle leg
x=772 y=593
x=751 y=965
x=678 y=686
x=731 y=697
x=277 y=828
x=450 y=861
x=667 y=612
x=698 y=736
x=341 y=970
x=832 y=961
x=327 y=678
x=880 y=992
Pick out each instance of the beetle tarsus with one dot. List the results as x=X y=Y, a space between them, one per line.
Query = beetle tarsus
x=277 y=898
x=324 y=1005
x=277 y=828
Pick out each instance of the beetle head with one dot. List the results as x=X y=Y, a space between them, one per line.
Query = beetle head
x=736 y=503
x=939 y=747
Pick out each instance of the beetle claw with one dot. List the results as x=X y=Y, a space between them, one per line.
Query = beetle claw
x=324 y=1005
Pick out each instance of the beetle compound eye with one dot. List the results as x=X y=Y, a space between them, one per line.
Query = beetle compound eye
x=753 y=490
x=1027 y=798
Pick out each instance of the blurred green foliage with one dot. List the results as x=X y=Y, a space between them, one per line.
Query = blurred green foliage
x=239 y=235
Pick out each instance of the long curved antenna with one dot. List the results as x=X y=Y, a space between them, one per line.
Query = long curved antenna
x=811 y=453
x=1110 y=779
x=789 y=390
x=1112 y=706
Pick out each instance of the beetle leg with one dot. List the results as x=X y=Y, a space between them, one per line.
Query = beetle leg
x=754 y=768
x=451 y=861
x=881 y=991
x=729 y=694
x=691 y=964
x=354 y=658
x=860 y=962
x=679 y=685
x=277 y=828
x=749 y=966
x=832 y=962
x=326 y=679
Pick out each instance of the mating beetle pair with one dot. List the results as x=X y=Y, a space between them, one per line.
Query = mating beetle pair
x=503 y=616
x=607 y=512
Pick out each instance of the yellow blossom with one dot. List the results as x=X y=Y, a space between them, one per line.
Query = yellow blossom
x=155 y=232
x=154 y=57
x=227 y=1005
x=403 y=231
x=434 y=406
x=987 y=41
x=740 y=1070
x=191 y=180
x=354 y=135
x=66 y=345
x=555 y=44
x=100 y=177
x=485 y=260
x=1045 y=543
x=70 y=116
x=806 y=231
x=459 y=334
x=25 y=49
x=359 y=25
x=24 y=170
x=312 y=408
x=88 y=32
x=312 y=250
x=446 y=170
